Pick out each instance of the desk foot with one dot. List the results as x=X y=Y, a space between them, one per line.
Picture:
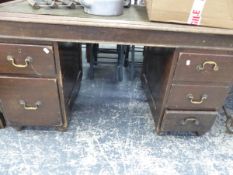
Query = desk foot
x=18 y=128
x=61 y=128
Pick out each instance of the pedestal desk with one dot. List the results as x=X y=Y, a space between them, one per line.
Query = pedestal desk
x=186 y=71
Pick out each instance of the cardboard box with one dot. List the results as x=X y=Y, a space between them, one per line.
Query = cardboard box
x=213 y=13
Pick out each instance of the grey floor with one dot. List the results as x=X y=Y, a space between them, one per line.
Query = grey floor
x=112 y=132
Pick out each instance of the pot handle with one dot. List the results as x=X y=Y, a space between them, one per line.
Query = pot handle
x=86 y=3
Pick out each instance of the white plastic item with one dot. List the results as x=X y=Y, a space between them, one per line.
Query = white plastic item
x=103 y=7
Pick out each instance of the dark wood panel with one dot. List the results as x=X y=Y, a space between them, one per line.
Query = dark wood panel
x=30 y=102
x=71 y=67
x=33 y=60
x=55 y=32
x=158 y=67
x=204 y=67
x=26 y=42
x=192 y=121
x=198 y=97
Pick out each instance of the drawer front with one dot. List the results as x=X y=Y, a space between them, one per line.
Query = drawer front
x=27 y=60
x=30 y=102
x=193 y=121
x=201 y=97
x=204 y=68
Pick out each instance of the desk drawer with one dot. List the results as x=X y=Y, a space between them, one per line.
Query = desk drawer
x=191 y=121
x=197 y=97
x=204 y=68
x=34 y=60
x=30 y=102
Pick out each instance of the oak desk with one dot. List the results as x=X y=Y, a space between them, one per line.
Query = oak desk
x=186 y=83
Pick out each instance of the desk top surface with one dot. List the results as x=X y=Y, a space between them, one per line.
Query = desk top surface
x=133 y=18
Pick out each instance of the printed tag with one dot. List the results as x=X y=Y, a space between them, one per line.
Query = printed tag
x=195 y=14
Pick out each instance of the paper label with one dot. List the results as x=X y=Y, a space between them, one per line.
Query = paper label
x=46 y=50
x=188 y=62
x=195 y=14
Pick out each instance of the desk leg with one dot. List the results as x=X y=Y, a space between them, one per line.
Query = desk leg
x=92 y=60
x=120 y=62
x=132 y=65
x=2 y=120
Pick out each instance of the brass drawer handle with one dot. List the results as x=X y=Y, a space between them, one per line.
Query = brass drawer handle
x=202 y=67
x=188 y=120
x=30 y=108
x=190 y=96
x=27 y=61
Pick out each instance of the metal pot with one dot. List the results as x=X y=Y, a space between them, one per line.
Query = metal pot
x=103 y=7
x=127 y=3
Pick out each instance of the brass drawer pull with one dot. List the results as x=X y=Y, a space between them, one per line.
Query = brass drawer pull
x=202 y=67
x=190 y=96
x=28 y=60
x=188 y=120
x=30 y=108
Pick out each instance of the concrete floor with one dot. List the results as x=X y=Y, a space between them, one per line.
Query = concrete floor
x=112 y=132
